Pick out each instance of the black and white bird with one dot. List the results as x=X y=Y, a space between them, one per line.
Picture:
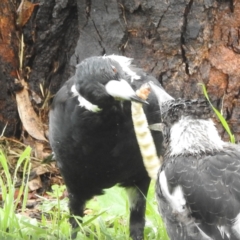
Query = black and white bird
x=198 y=186
x=92 y=136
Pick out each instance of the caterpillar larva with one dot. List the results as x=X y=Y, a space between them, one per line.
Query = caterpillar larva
x=144 y=137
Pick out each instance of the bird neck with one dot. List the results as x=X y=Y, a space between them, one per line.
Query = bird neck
x=195 y=137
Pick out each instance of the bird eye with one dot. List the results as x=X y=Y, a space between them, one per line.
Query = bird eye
x=114 y=69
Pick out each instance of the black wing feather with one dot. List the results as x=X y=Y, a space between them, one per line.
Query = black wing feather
x=211 y=187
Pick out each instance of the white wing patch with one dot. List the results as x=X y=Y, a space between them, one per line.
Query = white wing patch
x=236 y=226
x=176 y=199
x=125 y=63
x=203 y=233
x=84 y=102
x=223 y=230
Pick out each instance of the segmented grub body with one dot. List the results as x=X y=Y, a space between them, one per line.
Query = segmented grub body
x=144 y=137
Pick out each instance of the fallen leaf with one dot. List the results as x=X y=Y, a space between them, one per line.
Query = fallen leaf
x=36 y=98
x=24 y=12
x=41 y=169
x=38 y=149
x=35 y=184
x=88 y=211
x=27 y=114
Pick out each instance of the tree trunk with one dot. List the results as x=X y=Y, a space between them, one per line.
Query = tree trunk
x=181 y=42
x=9 y=120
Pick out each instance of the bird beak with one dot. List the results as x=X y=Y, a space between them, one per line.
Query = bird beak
x=138 y=99
x=121 y=90
x=160 y=93
x=156 y=127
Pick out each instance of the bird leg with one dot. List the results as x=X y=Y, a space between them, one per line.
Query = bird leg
x=137 y=200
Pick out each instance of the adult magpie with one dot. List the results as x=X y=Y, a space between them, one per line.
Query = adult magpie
x=92 y=136
x=198 y=186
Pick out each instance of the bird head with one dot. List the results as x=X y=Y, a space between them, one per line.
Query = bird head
x=174 y=110
x=105 y=80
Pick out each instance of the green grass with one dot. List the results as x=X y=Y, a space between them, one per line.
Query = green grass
x=107 y=217
x=219 y=115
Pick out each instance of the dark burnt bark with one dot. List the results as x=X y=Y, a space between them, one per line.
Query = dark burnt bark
x=181 y=42
x=9 y=119
x=50 y=37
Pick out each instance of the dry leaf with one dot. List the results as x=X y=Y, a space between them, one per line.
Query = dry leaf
x=24 y=12
x=36 y=98
x=35 y=184
x=88 y=212
x=27 y=114
x=41 y=169
x=38 y=149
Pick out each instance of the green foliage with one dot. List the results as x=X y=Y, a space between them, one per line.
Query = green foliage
x=155 y=228
x=11 y=199
x=219 y=115
x=106 y=219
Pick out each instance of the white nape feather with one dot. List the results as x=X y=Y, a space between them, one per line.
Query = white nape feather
x=236 y=226
x=125 y=63
x=191 y=136
x=176 y=198
x=84 y=102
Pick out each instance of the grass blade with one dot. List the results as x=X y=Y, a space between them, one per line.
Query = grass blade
x=219 y=115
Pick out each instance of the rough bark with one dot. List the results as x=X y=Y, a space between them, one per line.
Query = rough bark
x=181 y=42
x=9 y=119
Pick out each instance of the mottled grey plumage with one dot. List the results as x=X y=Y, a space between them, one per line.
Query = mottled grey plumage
x=173 y=110
x=198 y=186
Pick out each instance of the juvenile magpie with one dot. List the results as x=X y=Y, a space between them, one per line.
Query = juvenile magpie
x=198 y=185
x=92 y=136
